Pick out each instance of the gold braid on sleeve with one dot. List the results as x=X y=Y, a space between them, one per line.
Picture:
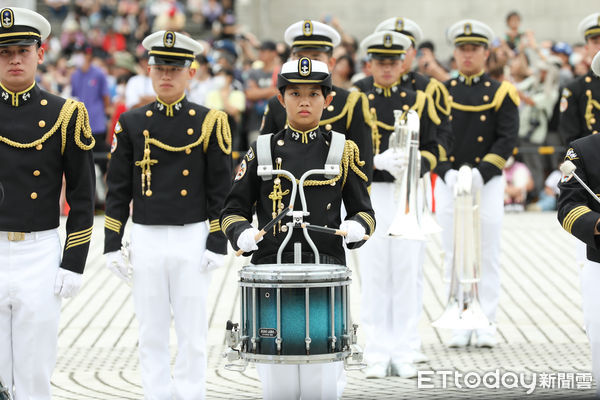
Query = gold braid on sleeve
x=64 y=117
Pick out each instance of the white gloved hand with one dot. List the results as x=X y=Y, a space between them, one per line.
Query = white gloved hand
x=477 y=180
x=210 y=261
x=355 y=230
x=390 y=160
x=118 y=265
x=67 y=283
x=246 y=240
x=450 y=178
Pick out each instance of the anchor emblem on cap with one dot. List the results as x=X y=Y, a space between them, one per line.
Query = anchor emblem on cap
x=7 y=18
x=307 y=28
x=304 y=66
x=387 y=40
x=169 y=39
x=400 y=24
x=468 y=29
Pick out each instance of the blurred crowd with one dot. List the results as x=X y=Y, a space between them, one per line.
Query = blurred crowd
x=95 y=55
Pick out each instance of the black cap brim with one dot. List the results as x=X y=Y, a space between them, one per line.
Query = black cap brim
x=175 y=62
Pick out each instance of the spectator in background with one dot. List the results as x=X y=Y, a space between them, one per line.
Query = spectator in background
x=513 y=34
x=90 y=86
x=226 y=97
x=547 y=197
x=563 y=51
x=428 y=65
x=343 y=71
x=211 y=11
x=58 y=9
x=518 y=183
x=260 y=86
x=202 y=82
x=139 y=90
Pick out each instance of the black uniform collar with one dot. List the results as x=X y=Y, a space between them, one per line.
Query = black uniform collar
x=170 y=109
x=470 y=80
x=303 y=137
x=387 y=91
x=17 y=99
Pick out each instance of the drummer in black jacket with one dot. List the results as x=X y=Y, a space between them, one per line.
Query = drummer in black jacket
x=305 y=87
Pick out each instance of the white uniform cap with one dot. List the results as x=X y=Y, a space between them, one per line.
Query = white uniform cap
x=404 y=26
x=171 y=48
x=590 y=26
x=470 y=31
x=596 y=64
x=20 y=26
x=304 y=70
x=385 y=44
x=310 y=34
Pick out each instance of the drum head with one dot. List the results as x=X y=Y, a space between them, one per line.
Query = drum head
x=269 y=273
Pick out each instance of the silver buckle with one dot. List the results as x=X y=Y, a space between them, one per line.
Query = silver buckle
x=16 y=236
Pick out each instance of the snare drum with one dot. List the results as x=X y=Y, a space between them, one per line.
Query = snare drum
x=295 y=313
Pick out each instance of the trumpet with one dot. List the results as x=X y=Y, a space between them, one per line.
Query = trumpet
x=463 y=310
x=405 y=138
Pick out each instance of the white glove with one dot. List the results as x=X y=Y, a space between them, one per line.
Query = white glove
x=118 y=265
x=67 y=283
x=246 y=240
x=450 y=178
x=210 y=261
x=477 y=182
x=355 y=230
x=391 y=160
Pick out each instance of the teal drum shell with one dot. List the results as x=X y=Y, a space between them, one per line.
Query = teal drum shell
x=326 y=287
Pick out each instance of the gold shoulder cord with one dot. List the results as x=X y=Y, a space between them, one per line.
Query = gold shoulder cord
x=506 y=88
x=350 y=160
x=348 y=109
x=589 y=110
x=439 y=93
x=82 y=125
x=223 y=133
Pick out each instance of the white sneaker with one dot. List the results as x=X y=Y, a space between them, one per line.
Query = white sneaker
x=486 y=341
x=376 y=371
x=404 y=370
x=419 y=357
x=460 y=339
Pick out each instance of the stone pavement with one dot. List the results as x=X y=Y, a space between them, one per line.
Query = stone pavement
x=540 y=326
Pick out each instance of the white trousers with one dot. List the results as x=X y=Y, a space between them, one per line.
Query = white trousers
x=167 y=278
x=491 y=214
x=325 y=381
x=590 y=281
x=29 y=313
x=391 y=292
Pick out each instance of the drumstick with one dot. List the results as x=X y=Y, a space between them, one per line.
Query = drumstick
x=568 y=168
x=332 y=231
x=267 y=227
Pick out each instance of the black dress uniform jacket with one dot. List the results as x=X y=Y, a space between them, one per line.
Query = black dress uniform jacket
x=324 y=197
x=348 y=113
x=578 y=212
x=580 y=108
x=439 y=94
x=174 y=161
x=43 y=136
x=382 y=103
x=485 y=124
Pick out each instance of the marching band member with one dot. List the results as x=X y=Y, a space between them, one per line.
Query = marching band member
x=415 y=81
x=579 y=215
x=172 y=158
x=485 y=123
x=390 y=266
x=348 y=111
x=42 y=137
x=305 y=91
x=578 y=115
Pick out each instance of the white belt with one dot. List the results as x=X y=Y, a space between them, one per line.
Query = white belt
x=20 y=236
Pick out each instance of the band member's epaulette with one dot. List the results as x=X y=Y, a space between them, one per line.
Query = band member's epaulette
x=439 y=93
x=505 y=88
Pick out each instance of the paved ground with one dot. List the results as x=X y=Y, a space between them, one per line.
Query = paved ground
x=539 y=324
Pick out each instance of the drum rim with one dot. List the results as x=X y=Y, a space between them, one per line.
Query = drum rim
x=295 y=359
x=294 y=272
